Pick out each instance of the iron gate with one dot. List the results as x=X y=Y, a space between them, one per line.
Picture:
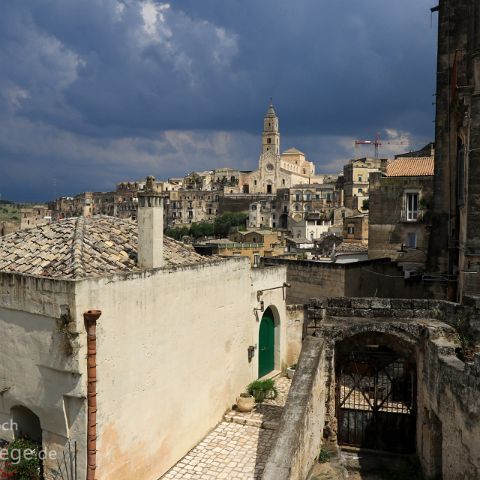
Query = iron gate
x=375 y=400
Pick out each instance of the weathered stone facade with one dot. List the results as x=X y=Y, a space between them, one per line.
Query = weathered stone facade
x=395 y=231
x=378 y=277
x=445 y=403
x=455 y=242
x=356 y=175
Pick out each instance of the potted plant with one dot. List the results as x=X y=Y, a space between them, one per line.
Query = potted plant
x=262 y=390
x=245 y=402
x=291 y=370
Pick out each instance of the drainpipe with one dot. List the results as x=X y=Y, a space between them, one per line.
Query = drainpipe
x=90 y=317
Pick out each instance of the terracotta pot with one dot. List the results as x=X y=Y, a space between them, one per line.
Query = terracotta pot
x=245 y=404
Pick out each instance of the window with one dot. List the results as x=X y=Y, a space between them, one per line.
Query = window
x=269 y=140
x=298 y=197
x=283 y=181
x=254 y=207
x=412 y=206
x=411 y=240
x=256 y=259
x=360 y=190
x=359 y=178
x=269 y=189
x=350 y=230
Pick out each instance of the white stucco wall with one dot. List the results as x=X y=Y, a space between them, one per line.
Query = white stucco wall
x=172 y=357
x=34 y=371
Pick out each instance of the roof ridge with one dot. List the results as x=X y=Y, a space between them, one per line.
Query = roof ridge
x=77 y=247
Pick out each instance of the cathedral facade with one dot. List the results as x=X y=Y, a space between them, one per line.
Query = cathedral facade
x=277 y=170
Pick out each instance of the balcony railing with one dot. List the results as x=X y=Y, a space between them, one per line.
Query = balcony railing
x=412 y=215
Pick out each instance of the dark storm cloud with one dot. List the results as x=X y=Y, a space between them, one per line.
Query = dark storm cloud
x=94 y=92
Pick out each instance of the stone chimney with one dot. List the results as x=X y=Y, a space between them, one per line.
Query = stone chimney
x=150 y=226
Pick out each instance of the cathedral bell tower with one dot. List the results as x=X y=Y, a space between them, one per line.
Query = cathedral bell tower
x=270 y=135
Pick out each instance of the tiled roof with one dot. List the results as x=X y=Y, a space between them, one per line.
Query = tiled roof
x=293 y=151
x=410 y=167
x=83 y=247
x=346 y=247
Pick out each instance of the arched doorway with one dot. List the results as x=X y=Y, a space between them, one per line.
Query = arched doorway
x=26 y=424
x=266 y=344
x=376 y=393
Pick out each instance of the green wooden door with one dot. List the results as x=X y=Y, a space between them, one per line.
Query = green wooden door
x=266 y=344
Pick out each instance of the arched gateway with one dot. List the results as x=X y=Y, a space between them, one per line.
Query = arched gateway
x=376 y=392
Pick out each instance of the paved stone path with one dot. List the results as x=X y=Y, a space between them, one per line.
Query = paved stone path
x=238 y=447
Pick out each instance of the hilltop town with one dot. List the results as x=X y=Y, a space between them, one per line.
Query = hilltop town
x=281 y=209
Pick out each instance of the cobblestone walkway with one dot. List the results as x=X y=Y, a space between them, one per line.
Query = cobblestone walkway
x=238 y=447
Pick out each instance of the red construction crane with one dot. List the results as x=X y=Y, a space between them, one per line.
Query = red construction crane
x=377 y=143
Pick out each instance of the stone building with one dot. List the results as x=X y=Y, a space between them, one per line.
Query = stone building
x=263 y=214
x=98 y=316
x=190 y=206
x=312 y=227
x=356 y=181
x=8 y=227
x=275 y=169
x=34 y=215
x=399 y=213
x=253 y=244
x=355 y=229
x=454 y=251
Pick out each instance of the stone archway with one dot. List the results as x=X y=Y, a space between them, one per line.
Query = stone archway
x=26 y=424
x=375 y=392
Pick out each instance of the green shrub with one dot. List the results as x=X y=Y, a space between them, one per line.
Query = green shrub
x=324 y=456
x=261 y=389
x=23 y=461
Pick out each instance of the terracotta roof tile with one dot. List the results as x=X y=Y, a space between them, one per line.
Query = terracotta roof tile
x=84 y=247
x=410 y=167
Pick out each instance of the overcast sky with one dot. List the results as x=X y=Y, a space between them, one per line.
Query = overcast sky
x=93 y=92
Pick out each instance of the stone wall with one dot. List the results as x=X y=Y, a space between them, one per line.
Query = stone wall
x=295 y=332
x=448 y=423
x=299 y=436
x=381 y=278
x=448 y=389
